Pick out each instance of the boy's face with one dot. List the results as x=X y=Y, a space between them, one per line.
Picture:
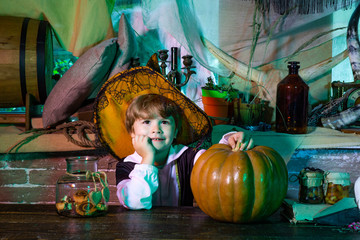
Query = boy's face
x=161 y=131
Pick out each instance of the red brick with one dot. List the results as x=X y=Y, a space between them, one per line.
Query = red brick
x=3 y=164
x=19 y=163
x=57 y=163
x=107 y=162
x=111 y=177
x=10 y=176
x=48 y=163
x=49 y=177
x=113 y=198
x=45 y=177
x=38 y=194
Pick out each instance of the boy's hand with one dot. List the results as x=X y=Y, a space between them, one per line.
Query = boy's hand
x=143 y=146
x=241 y=141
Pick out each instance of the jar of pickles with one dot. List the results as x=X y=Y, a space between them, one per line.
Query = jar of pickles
x=82 y=191
x=311 y=185
x=337 y=186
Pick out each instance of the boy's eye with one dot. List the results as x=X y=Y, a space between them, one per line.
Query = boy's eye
x=165 y=122
x=146 y=122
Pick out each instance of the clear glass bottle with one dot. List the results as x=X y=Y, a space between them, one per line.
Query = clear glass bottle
x=292 y=102
x=337 y=185
x=82 y=191
x=311 y=186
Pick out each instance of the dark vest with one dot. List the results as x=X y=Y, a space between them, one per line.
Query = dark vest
x=184 y=165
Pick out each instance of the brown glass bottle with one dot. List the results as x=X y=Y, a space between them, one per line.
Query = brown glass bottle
x=292 y=102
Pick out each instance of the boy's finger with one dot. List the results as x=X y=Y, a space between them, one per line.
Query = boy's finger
x=237 y=145
x=232 y=142
x=250 y=145
x=244 y=145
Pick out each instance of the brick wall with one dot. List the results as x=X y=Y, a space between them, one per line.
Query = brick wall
x=31 y=178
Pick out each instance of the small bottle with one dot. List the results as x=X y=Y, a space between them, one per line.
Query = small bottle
x=311 y=186
x=292 y=102
x=337 y=185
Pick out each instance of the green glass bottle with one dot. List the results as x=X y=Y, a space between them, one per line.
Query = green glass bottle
x=292 y=102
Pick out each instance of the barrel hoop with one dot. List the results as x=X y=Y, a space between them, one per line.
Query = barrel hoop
x=40 y=56
x=22 y=58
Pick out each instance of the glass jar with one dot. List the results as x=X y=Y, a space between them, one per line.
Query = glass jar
x=82 y=191
x=292 y=102
x=337 y=185
x=311 y=186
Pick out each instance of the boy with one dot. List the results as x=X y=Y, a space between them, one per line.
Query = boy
x=158 y=172
x=145 y=122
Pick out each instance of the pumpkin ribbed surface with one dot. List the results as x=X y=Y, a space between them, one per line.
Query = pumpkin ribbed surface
x=241 y=186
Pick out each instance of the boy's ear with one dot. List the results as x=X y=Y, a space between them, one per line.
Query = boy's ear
x=132 y=134
x=176 y=132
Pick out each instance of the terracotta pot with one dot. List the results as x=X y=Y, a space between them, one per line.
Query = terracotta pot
x=213 y=93
x=218 y=109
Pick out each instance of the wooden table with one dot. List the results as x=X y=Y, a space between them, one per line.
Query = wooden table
x=42 y=222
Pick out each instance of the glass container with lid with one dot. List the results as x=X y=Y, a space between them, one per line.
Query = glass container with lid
x=337 y=186
x=82 y=191
x=311 y=185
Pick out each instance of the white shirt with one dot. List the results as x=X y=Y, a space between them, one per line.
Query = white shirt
x=150 y=186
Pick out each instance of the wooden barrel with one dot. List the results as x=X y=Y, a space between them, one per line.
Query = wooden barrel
x=26 y=60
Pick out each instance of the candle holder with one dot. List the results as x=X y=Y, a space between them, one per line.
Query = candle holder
x=174 y=75
x=163 y=55
x=187 y=63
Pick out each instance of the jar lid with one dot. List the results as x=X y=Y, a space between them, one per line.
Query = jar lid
x=313 y=175
x=312 y=179
x=342 y=178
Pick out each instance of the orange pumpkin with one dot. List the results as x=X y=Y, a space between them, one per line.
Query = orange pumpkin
x=239 y=186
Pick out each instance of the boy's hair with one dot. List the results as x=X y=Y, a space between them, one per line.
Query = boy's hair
x=145 y=106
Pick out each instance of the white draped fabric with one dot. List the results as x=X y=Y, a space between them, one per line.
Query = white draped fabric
x=229 y=24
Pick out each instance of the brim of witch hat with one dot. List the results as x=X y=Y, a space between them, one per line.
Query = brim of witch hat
x=117 y=93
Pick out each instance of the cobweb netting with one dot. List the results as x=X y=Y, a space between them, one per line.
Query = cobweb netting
x=229 y=25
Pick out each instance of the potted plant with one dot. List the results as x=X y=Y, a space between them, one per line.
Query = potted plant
x=218 y=101
x=250 y=113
